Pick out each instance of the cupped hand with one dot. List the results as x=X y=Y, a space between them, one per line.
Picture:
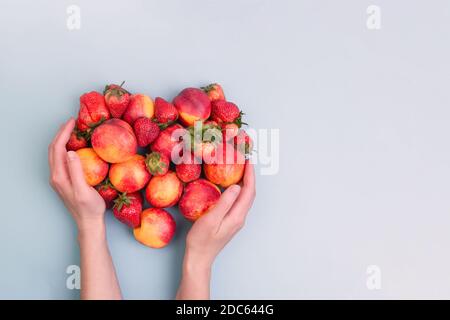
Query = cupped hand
x=67 y=179
x=214 y=230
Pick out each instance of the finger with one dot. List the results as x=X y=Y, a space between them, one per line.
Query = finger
x=59 y=147
x=64 y=134
x=59 y=177
x=76 y=171
x=51 y=147
x=241 y=207
x=224 y=204
x=249 y=175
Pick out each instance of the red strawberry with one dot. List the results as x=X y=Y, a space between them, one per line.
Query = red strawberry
x=116 y=99
x=189 y=170
x=76 y=141
x=157 y=163
x=108 y=192
x=225 y=111
x=93 y=111
x=243 y=142
x=165 y=112
x=214 y=91
x=211 y=136
x=146 y=131
x=128 y=208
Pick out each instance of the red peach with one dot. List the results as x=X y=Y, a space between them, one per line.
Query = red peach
x=94 y=168
x=168 y=139
x=198 y=197
x=131 y=175
x=164 y=191
x=157 y=228
x=114 y=141
x=226 y=166
x=140 y=106
x=192 y=104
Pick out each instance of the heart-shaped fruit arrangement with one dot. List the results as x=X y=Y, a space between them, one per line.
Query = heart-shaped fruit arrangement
x=175 y=153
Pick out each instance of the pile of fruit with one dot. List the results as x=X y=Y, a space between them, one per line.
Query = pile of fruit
x=181 y=153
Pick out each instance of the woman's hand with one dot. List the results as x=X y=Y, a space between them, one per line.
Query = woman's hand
x=211 y=233
x=98 y=277
x=67 y=179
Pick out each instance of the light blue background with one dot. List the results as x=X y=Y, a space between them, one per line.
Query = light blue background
x=363 y=118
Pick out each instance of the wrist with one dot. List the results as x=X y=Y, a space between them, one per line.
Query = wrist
x=196 y=265
x=91 y=231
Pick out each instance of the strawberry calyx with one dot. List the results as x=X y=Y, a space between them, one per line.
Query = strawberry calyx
x=86 y=135
x=122 y=200
x=154 y=164
x=94 y=125
x=115 y=90
x=106 y=184
x=163 y=126
x=238 y=120
x=209 y=87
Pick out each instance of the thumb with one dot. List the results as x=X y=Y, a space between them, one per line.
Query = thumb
x=225 y=202
x=75 y=170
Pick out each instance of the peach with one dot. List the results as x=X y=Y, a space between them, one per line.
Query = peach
x=114 y=141
x=192 y=104
x=94 y=168
x=226 y=166
x=198 y=197
x=164 y=191
x=140 y=106
x=168 y=139
x=157 y=228
x=131 y=175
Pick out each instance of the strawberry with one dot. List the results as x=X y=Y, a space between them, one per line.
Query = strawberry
x=116 y=99
x=108 y=192
x=76 y=141
x=225 y=111
x=127 y=209
x=189 y=170
x=211 y=136
x=93 y=111
x=214 y=91
x=165 y=112
x=146 y=131
x=157 y=163
x=243 y=142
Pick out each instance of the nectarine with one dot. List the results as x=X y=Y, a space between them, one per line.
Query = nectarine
x=114 y=141
x=192 y=104
x=94 y=168
x=164 y=191
x=157 y=228
x=198 y=197
x=140 y=106
x=131 y=175
x=226 y=166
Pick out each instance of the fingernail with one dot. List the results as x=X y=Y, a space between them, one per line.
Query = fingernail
x=71 y=155
x=235 y=188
